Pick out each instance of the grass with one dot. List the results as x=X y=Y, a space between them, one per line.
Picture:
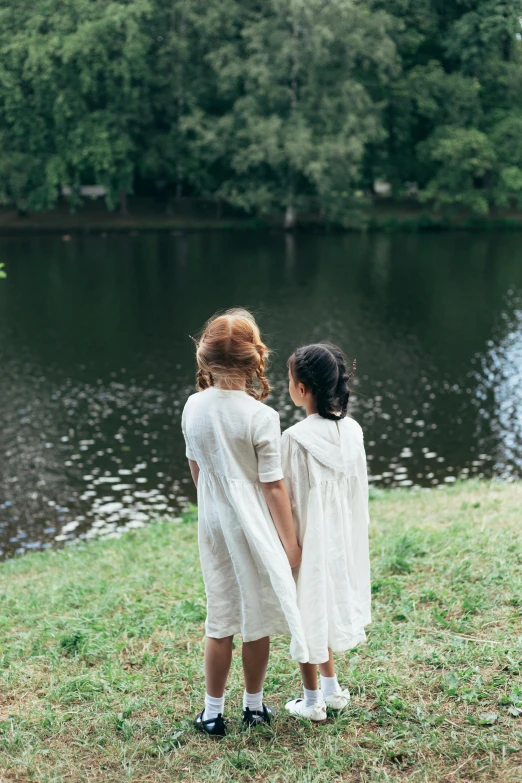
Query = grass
x=101 y=659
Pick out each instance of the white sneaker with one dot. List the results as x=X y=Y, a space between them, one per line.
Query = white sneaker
x=316 y=713
x=338 y=700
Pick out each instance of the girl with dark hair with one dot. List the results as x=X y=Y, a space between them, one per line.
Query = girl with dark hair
x=246 y=534
x=325 y=471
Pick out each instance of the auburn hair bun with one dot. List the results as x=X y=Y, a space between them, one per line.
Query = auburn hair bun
x=230 y=352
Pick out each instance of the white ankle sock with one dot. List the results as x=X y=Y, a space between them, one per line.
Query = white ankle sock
x=312 y=697
x=329 y=685
x=254 y=701
x=214 y=706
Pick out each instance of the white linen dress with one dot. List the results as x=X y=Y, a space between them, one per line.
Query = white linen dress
x=324 y=463
x=235 y=441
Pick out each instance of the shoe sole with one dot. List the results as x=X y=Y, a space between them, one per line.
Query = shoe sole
x=337 y=709
x=211 y=736
x=201 y=730
x=308 y=720
x=206 y=733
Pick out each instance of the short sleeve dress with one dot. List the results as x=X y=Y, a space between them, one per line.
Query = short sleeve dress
x=235 y=441
x=324 y=463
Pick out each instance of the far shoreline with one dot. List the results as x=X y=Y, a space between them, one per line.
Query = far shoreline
x=146 y=216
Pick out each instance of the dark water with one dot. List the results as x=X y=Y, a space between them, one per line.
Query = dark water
x=96 y=362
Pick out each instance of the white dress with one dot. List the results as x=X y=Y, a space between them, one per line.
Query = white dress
x=325 y=471
x=235 y=441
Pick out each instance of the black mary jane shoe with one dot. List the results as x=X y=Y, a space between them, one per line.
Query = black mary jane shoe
x=258 y=717
x=219 y=727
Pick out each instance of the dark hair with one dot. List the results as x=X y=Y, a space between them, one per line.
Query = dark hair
x=322 y=369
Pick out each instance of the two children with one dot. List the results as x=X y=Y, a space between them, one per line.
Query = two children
x=283 y=542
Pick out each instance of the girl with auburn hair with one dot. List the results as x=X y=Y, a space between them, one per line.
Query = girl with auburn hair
x=325 y=469
x=247 y=538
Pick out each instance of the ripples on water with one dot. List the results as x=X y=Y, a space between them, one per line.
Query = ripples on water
x=84 y=456
x=90 y=460
x=498 y=392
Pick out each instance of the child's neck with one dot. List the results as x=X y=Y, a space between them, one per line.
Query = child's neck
x=310 y=408
x=229 y=386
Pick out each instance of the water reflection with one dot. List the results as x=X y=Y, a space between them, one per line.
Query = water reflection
x=499 y=392
x=82 y=461
x=96 y=362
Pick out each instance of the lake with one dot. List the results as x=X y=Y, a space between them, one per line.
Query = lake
x=96 y=361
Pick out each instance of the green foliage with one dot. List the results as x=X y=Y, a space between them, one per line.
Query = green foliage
x=73 y=82
x=2 y=273
x=506 y=137
x=454 y=110
x=299 y=130
x=278 y=107
x=463 y=158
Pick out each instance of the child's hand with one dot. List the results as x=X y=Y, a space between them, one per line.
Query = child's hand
x=294 y=557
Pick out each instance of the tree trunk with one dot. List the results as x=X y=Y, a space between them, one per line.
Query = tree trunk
x=289 y=223
x=290 y=218
x=123 y=203
x=181 y=106
x=179 y=180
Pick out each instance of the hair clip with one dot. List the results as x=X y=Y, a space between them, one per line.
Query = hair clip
x=354 y=368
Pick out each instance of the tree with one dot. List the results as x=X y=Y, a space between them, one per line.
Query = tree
x=73 y=87
x=167 y=157
x=465 y=160
x=305 y=113
x=422 y=101
x=185 y=151
x=276 y=107
x=461 y=66
x=506 y=138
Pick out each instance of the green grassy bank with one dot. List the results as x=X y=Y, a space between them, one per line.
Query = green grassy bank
x=101 y=659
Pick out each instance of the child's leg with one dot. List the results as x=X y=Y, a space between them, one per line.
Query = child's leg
x=218 y=657
x=312 y=705
x=312 y=694
x=334 y=697
x=309 y=676
x=327 y=669
x=255 y=662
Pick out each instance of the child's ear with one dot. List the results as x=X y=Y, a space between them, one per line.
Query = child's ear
x=302 y=389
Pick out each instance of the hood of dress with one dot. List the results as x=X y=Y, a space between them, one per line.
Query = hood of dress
x=327 y=441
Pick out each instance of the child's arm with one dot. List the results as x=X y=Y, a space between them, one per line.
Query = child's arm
x=194 y=470
x=193 y=465
x=266 y=437
x=297 y=481
x=278 y=503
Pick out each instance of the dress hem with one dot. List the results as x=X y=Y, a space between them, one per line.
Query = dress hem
x=250 y=637
x=354 y=641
